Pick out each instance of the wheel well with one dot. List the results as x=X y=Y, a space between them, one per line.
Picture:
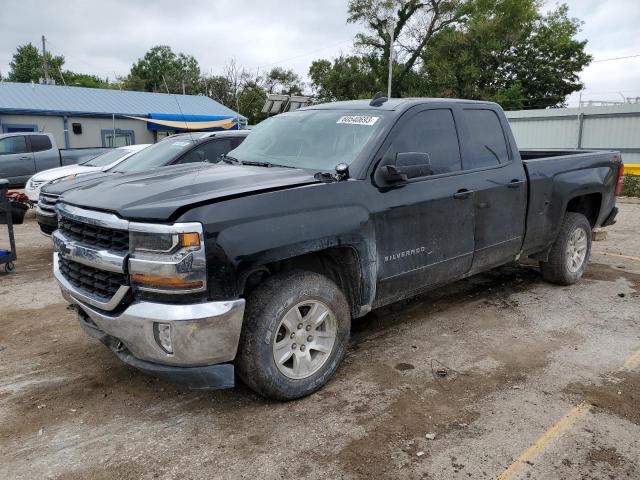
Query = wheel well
x=339 y=264
x=588 y=205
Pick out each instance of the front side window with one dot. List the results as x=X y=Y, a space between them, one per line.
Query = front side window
x=313 y=139
x=11 y=145
x=488 y=146
x=432 y=132
x=209 y=152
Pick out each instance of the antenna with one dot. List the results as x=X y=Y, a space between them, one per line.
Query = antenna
x=186 y=126
x=378 y=99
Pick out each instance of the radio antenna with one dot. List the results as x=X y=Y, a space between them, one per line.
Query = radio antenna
x=186 y=126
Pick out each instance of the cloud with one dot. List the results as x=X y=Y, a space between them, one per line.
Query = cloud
x=107 y=38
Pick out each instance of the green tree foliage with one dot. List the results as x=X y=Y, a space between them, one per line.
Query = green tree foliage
x=413 y=22
x=502 y=50
x=161 y=69
x=282 y=81
x=509 y=53
x=27 y=65
x=347 y=77
x=238 y=90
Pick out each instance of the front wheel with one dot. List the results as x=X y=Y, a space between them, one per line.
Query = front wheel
x=295 y=335
x=570 y=252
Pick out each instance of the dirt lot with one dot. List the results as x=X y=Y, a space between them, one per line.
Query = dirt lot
x=541 y=382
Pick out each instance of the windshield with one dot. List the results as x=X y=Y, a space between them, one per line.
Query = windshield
x=314 y=139
x=157 y=155
x=106 y=158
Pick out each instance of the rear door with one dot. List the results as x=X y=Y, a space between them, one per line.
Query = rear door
x=424 y=228
x=499 y=184
x=16 y=160
x=44 y=155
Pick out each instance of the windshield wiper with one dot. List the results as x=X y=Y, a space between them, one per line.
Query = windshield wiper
x=229 y=159
x=263 y=164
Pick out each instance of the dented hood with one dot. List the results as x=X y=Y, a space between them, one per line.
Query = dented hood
x=159 y=194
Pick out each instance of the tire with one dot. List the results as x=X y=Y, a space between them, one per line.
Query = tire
x=275 y=311
x=563 y=266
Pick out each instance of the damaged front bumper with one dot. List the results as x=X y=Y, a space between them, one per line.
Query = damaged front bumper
x=204 y=337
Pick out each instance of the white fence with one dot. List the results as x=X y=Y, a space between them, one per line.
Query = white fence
x=598 y=128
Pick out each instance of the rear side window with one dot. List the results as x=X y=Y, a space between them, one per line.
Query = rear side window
x=40 y=143
x=433 y=132
x=208 y=152
x=488 y=146
x=11 y=145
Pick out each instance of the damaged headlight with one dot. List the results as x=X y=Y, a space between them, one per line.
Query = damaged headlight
x=167 y=258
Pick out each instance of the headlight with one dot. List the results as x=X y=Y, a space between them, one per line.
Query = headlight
x=167 y=258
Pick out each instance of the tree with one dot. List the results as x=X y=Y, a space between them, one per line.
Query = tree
x=285 y=82
x=348 y=77
x=238 y=90
x=414 y=23
x=27 y=65
x=509 y=53
x=161 y=69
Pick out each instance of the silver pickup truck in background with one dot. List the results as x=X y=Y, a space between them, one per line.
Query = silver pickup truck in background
x=23 y=154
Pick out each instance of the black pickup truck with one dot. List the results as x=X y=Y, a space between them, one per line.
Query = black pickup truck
x=260 y=263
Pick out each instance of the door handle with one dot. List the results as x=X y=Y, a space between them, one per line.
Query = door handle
x=515 y=183
x=25 y=158
x=462 y=194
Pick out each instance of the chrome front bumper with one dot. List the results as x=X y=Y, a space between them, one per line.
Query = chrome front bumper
x=201 y=333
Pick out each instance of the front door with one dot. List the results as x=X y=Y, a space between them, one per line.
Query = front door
x=424 y=229
x=16 y=161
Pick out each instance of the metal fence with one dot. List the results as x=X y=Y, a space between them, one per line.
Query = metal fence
x=597 y=127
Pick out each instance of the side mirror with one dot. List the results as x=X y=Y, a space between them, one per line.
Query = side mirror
x=407 y=165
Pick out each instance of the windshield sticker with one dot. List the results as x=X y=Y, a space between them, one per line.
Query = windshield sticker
x=358 y=120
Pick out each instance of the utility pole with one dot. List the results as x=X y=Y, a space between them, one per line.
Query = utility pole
x=391 y=27
x=44 y=59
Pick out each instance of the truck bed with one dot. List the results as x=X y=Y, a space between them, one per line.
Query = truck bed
x=556 y=176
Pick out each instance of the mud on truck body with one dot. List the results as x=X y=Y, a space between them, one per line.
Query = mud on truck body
x=258 y=264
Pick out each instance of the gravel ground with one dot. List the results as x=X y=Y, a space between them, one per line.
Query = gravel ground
x=541 y=382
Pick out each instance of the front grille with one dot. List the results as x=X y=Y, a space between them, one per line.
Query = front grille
x=97 y=283
x=102 y=237
x=47 y=202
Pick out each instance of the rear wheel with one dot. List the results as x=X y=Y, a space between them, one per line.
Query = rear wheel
x=295 y=335
x=570 y=252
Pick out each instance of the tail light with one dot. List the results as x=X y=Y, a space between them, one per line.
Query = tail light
x=620 y=175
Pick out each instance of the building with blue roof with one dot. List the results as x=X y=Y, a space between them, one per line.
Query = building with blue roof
x=90 y=117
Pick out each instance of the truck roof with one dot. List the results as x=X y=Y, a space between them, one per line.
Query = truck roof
x=399 y=104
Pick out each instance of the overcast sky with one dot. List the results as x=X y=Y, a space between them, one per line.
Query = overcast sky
x=105 y=38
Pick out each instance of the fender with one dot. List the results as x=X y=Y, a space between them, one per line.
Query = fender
x=245 y=234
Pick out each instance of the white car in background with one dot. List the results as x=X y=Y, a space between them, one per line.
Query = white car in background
x=97 y=164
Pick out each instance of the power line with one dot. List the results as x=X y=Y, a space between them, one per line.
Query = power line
x=305 y=54
x=616 y=58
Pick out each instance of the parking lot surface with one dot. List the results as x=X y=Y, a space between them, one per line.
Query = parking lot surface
x=500 y=375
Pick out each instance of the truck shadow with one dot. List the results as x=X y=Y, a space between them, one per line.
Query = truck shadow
x=494 y=286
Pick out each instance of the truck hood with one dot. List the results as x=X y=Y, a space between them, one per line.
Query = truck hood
x=61 y=172
x=58 y=187
x=159 y=194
